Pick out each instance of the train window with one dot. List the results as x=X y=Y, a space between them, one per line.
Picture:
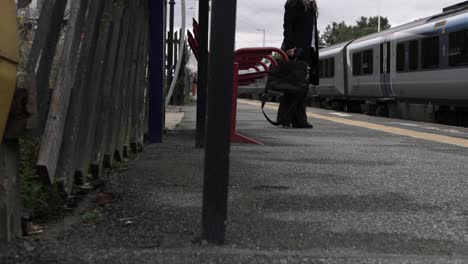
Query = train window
x=388 y=57
x=357 y=63
x=368 y=62
x=414 y=55
x=458 y=52
x=400 y=64
x=381 y=58
x=326 y=67
x=430 y=53
x=321 y=69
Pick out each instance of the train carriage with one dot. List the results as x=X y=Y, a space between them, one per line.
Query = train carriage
x=430 y=61
x=422 y=62
x=332 y=73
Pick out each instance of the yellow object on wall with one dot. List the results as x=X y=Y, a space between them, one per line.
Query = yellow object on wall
x=9 y=57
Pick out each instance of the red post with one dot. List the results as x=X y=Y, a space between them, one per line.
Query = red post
x=235 y=137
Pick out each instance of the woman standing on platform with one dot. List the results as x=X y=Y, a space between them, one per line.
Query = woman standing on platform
x=300 y=42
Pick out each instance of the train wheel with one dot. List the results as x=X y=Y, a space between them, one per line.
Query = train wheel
x=382 y=110
x=337 y=106
x=353 y=107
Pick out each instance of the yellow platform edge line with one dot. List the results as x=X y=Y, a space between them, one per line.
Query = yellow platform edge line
x=388 y=129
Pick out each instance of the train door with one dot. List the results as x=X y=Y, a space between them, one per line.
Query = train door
x=385 y=86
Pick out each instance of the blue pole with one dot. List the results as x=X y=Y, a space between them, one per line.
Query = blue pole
x=156 y=71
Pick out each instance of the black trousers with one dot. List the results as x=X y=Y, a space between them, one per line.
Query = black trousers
x=292 y=109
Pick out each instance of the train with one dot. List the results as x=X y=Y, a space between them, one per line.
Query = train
x=423 y=63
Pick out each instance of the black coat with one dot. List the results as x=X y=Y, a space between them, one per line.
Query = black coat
x=298 y=27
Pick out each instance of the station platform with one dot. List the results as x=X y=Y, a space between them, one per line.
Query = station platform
x=355 y=189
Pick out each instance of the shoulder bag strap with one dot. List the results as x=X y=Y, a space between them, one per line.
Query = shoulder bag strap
x=264 y=99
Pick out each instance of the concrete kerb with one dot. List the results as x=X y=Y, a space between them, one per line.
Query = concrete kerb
x=173 y=117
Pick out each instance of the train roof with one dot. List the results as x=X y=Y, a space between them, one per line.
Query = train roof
x=335 y=46
x=448 y=12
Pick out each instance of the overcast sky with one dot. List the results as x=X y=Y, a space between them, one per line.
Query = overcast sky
x=268 y=14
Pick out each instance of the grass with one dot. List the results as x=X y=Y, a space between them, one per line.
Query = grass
x=92 y=216
x=41 y=199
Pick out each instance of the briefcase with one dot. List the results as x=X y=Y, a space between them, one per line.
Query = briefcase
x=288 y=77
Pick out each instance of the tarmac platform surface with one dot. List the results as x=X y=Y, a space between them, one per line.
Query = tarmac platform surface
x=355 y=189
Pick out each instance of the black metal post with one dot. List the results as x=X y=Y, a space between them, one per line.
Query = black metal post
x=203 y=20
x=170 y=43
x=156 y=71
x=218 y=123
x=176 y=47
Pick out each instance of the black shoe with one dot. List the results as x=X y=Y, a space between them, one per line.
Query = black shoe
x=305 y=125
x=286 y=124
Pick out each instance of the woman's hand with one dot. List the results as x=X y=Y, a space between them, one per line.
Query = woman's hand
x=291 y=52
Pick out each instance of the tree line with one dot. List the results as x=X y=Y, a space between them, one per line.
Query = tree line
x=338 y=32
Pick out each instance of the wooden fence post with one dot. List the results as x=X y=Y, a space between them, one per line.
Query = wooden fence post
x=132 y=88
x=40 y=61
x=93 y=66
x=145 y=78
x=139 y=86
x=92 y=91
x=113 y=152
x=71 y=151
x=128 y=81
x=53 y=134
x=107 y=96
x=143 y=83
x=10 y=206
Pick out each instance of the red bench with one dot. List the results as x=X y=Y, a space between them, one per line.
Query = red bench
x=244 y=59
